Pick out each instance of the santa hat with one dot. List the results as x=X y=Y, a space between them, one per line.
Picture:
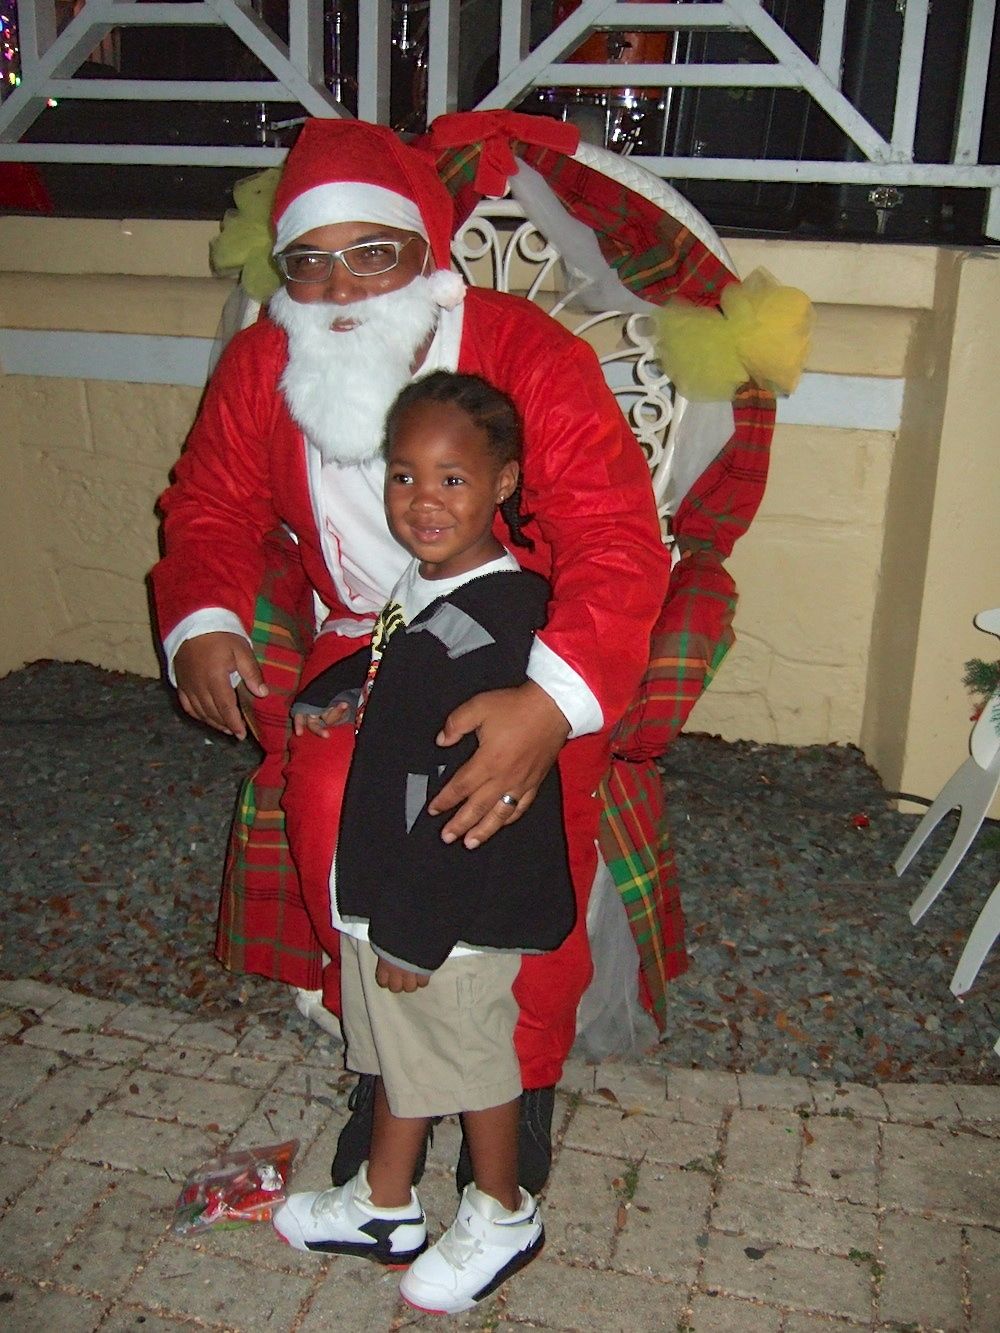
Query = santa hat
x=350 y=171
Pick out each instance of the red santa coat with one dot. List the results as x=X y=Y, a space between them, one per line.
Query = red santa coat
x=585 y=480
x=596 y=539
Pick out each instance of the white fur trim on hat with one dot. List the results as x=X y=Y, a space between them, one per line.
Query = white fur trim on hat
x=447 y=288
x=346 y=201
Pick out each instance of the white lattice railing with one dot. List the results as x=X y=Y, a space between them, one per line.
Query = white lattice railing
x=49 y=60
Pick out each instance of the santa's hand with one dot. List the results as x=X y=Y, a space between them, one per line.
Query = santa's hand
x=520 y=731
x=397 y=979
x=203 y=667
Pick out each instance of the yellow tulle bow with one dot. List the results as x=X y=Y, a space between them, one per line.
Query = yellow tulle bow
x=761 y=334
x=244 y=244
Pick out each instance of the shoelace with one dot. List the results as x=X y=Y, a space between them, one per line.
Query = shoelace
x=458 y=1245
x=327 y=1203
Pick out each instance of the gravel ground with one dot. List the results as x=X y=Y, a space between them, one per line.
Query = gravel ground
x=803 y=959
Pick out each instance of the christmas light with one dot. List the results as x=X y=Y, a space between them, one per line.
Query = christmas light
x=10 y=49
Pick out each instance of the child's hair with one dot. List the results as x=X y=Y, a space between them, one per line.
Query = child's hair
x=495 y=415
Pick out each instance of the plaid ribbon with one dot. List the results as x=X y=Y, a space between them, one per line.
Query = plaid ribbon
x=263 y=925
x=634 y=840
x=653 y=254
x=690 y=639
x=496 y=133
x=721 y=504
x=692 y=635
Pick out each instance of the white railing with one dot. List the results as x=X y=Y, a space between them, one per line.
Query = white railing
x=50 y=58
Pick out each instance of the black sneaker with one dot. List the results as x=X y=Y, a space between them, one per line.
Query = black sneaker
x=534 y=1142
x=355 y=1139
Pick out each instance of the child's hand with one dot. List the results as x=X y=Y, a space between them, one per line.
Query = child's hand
x=320 y=723
x=399 y=979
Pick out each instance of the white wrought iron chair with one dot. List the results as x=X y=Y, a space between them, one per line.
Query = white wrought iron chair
x=499 y=246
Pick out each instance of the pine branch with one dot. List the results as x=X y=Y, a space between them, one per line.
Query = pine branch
x=981 y=678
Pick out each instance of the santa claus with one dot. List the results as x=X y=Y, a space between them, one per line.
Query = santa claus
x=288 y=436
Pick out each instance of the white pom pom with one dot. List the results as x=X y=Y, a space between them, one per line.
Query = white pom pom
x=447 y=288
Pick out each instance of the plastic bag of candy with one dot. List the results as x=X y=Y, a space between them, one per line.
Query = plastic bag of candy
x=235 y=1188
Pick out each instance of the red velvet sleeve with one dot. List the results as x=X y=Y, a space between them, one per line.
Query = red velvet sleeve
x=588 y=485
x=219 y=506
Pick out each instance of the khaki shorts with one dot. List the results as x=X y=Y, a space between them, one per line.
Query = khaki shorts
x=444 y=1048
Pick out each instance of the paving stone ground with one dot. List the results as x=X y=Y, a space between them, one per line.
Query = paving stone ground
x=682 y=1201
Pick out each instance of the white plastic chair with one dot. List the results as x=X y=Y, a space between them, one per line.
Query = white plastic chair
x=972 y=787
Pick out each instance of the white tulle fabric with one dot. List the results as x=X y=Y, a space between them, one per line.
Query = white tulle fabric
x=610 y=1019
x=704 y=427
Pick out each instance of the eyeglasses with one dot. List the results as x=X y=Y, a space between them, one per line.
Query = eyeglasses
x=366 y=260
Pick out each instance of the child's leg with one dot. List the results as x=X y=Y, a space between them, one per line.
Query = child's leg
x=492 y=1139
x=497 y=1229
x=396 y=1145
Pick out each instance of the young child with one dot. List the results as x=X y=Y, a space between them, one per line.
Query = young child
x=431 y=933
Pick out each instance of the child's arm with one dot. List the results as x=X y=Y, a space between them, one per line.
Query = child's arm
x=320 y=722
x=332 y=698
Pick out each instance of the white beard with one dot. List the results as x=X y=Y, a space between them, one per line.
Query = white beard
x=340 y=385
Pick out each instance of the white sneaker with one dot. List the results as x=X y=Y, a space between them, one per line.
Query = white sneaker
x=310 y=1005
x=345 y=1221
x=482 y=1248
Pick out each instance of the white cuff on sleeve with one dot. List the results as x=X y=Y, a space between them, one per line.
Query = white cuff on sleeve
x=209 y=620
x=567 y=688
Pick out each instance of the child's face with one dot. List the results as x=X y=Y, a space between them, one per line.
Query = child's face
x=442 y=488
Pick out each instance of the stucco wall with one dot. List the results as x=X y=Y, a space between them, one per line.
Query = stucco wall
x=82 y=465
x=808 y=568
x=808 y=575
x=941 y=554
x=837 y=625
